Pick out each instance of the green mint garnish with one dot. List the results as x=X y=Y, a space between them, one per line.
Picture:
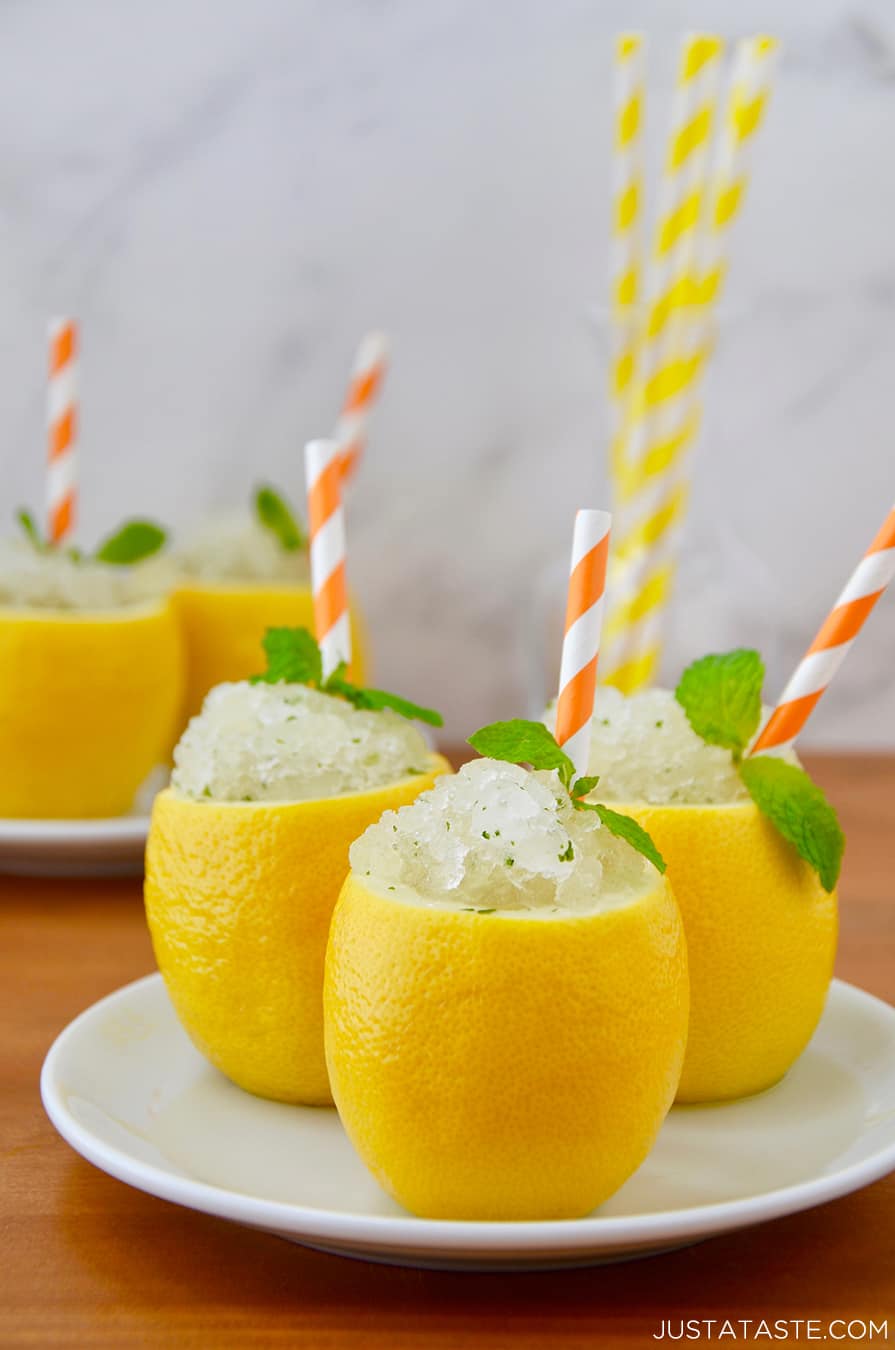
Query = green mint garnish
x=797 y=806
x=721 y=696
x=567 y=854
x=29 y=525
x=293 y=657
x=625 y=827
x=523 y=742
x=275 y=515
x=376 y=699
x=136 y=540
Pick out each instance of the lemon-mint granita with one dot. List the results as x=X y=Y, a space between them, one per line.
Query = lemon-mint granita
x=753 y=851
x=506 y=993
x=644 y=749
x=241 y=575
x=288 y=742
x=248 y=849
x=91 y=672
x=498 y=837
x=267 y=544
x=128 y=568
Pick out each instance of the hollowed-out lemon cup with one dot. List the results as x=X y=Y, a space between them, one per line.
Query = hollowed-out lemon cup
x=509 y=1065
x=761 y=935
x=239 y=897
x=223 y=624
x=88 y=705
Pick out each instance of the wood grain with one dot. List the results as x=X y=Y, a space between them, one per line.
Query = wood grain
x=85 y=1261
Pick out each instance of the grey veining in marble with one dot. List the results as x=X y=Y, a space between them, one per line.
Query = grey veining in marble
x=227 y=194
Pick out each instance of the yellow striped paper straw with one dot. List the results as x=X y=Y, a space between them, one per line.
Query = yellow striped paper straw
x=656 y=440
x=645 y=589
x=749 y=92
x=626 y=245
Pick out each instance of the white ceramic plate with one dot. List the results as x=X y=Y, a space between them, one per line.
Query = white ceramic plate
x=126 y=1088
x=111 y=847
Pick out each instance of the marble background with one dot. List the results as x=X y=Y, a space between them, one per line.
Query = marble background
x=228 y=193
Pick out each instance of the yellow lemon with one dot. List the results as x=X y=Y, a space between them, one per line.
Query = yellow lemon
x=761 y=936
x=223 y=624
x=88 y=704
x=509 y=1065
x=238 y=898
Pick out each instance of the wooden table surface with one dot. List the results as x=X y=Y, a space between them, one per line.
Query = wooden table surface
x=86 y=1261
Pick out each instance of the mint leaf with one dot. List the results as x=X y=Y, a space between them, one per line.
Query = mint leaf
x=582 y=786
x=375 y=699
x=522 y=742
x=798 y=808
x=29 y=525
x=625 y=827
x=136 y=540
x=292 y=656
x=275 y=515
x=721 y=696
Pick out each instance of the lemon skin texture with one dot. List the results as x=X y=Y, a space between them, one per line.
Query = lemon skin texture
x=503 y=1066
x=761 y=934
x=88 y=705
x=238 y=899
x=223 y=625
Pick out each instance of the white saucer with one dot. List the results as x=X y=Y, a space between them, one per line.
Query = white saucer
x=127 y=1090
x=110 y=847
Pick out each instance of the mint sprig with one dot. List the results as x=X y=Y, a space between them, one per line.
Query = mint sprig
x=627 y=828
x=721 y=695
x=32 y=533
x=275 y=514
x=375 y=699
x=797 y=806
x=136 y=540
x=293 y=657
x=522 y=742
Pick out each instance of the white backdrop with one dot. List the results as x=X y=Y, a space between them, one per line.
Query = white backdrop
x=228 y=194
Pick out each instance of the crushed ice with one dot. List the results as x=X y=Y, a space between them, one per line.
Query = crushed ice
x=496 y=836
x=645 y=750
x=287 y=742
x=55 y=580
x=237 y=547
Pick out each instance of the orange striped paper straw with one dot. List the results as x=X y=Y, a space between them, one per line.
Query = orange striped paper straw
x=367 y=375
x=326 y=523
x=62 y=429
x=581 y=643
x=831 y=645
